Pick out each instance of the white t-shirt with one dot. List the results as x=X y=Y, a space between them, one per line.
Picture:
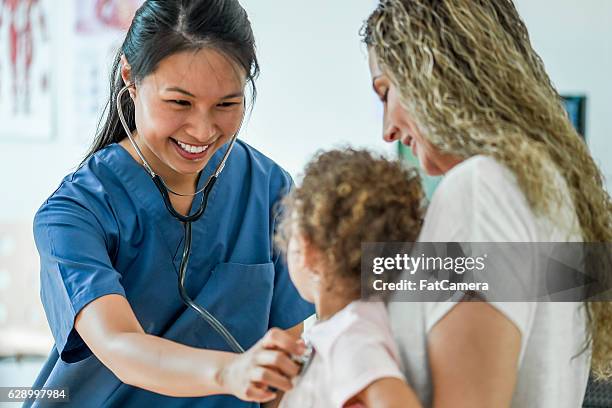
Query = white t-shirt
x=353 y=349
x=479 y=200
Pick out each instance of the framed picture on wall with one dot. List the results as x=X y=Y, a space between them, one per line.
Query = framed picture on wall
x=99 y=28
x=26 y=99
x=575 y=105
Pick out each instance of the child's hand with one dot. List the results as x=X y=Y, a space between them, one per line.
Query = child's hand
x=268 y=364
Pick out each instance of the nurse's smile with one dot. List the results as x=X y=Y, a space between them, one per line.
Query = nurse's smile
x=190 y=151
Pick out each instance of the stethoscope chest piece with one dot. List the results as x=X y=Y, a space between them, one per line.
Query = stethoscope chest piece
x=305 y=360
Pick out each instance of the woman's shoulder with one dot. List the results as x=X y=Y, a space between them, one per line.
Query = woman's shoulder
x=478 y=170
x=483 y=197
x=476 y=178
x=478 y=194
x=88 y=186
x=261 y=167
x=257 y=158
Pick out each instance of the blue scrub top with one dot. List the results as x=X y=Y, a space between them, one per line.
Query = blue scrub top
x=106 y=230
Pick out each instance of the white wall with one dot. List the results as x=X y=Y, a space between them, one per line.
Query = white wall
x=574 y=38
x=314 y=90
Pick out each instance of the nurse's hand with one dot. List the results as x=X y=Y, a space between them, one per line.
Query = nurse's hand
x=266 y=365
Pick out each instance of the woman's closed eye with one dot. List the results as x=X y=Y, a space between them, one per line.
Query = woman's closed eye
x=228 y=104
x=382 y=93
x=381 y=89
x=180 y=102
x=384 y=96
x=185 y=103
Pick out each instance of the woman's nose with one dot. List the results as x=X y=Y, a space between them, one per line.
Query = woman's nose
x=203 y=129
x=391 y=134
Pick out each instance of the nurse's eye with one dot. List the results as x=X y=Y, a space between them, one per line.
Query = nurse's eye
x=179 y=102
x=228 y=104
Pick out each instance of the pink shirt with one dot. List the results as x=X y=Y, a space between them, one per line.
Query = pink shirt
x=353 y=349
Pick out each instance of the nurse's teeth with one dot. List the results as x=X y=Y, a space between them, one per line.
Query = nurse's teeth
x=191 y=148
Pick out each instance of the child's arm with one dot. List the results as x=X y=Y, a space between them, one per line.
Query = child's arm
x=386 y=393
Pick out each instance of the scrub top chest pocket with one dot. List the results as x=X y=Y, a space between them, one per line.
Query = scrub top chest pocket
x=240 y=297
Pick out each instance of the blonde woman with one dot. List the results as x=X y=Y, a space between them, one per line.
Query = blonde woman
x=462 y=86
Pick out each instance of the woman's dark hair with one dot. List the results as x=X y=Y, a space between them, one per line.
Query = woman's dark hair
x=162 y=28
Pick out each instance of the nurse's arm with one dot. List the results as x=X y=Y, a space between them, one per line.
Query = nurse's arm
x=473 y=354
x=111 y=330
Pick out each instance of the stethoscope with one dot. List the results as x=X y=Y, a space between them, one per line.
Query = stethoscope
x=305 y=360
x=187 y=220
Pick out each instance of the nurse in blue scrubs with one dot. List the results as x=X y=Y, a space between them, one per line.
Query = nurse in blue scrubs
x=110 y=251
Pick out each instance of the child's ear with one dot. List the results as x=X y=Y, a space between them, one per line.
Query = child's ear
x=312 y=255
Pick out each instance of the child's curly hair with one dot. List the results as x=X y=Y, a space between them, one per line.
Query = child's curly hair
x=349 y=197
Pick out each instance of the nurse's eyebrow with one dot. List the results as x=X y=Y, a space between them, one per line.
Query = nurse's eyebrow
x=180 y=90
x=238 y=94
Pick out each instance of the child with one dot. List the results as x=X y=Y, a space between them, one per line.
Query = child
x=347 y=197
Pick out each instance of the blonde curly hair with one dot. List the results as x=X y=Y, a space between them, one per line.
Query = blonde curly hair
x=468 y=75
x=348 y=197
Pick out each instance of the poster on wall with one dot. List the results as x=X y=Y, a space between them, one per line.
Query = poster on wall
x=99 y=30
x=26 y=106
x=575 y=105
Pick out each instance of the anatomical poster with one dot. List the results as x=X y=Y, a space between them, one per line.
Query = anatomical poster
x=26 y=104
x=99 y=30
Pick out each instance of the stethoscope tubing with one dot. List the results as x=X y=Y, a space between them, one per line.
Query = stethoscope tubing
x=187 y=220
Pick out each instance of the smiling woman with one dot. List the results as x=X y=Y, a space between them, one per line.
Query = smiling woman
x=399 y=125
x=463 y=87
x=110 y=252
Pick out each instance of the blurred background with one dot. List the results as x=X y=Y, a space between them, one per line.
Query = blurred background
x=314 y=93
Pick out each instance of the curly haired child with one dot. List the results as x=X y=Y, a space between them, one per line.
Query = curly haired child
x=347 y=197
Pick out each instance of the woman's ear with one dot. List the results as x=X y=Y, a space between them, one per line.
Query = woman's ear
x=126 y=75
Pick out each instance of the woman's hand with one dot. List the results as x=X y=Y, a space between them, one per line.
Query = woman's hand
x=264 y=368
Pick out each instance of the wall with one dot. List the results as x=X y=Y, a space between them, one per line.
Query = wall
x=314 y=92
x=314 y=89
x=574 y=38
